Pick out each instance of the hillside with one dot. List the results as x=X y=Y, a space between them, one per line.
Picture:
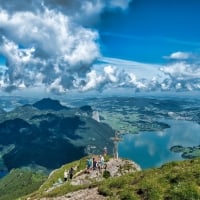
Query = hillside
x=20 y=182
x=46 y=133
x=82 y=179
x=174 y=180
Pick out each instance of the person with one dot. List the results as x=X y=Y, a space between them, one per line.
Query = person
x=94 y=164
x=101 y=160
x=71 y=173
x=89 y=163
x=65 y=175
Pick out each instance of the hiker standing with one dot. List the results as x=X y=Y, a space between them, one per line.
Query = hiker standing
x=89 y=164
x=94 y=164
x=65 y=175
x=101 y=161
x=71 y=172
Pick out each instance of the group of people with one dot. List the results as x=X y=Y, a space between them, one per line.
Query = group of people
x=93 y=163
x=68 y=175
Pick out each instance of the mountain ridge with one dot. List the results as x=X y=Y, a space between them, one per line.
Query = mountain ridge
x=174 y=180
x=47 y=137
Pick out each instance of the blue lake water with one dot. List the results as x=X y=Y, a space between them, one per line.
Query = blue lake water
x=3 y=173
x=152 y=149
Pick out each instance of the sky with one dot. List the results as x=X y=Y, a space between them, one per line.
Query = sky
x=64 y=46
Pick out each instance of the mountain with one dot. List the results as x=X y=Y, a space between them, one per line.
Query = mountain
x=49 y=104
x=55 y=184
x=86 y=108
x=49 y=136
x=175 y=180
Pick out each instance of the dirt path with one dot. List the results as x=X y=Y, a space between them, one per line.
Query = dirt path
x=87 y=194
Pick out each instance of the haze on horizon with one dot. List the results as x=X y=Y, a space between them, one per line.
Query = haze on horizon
x=99 y=47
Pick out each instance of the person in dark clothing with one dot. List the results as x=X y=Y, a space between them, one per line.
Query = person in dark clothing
x=94 y=164
x=71 y=173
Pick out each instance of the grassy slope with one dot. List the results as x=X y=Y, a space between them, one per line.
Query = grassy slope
x=54 y=178
x=20 y=182
x=175 y=180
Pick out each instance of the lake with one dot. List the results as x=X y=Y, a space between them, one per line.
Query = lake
x=3 y=173
x=152 y=149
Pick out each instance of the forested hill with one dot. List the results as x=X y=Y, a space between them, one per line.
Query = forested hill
x=48 y=134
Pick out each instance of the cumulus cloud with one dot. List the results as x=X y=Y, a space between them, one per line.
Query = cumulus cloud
x=87 y=12
x=119 y=73
x=109 y=77
x=45 y=45
x=49 y=43
x=181 y=76
x=183 y=73
x=176 y=76
x=53 y=44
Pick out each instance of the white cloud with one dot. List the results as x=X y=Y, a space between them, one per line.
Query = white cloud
x=86 y=12
x=93 y=81
x=141 y=70
x=181 y=76
x=56 y=87
x=179 y=55
x=128 y=74
x=178 y=76
x=100 y=80
x=182 y=70
x=50 y=44
x=110 y=73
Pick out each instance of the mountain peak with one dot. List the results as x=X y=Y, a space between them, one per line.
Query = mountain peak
x=49 y=104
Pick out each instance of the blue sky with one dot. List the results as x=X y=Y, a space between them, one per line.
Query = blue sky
x=98 y=45
x=149 y=30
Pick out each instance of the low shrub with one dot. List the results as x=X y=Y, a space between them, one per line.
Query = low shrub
x=106 y=174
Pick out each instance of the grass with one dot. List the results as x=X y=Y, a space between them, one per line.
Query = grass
x=172 y=181
x=20 y=182
x=55 y=177
x=176 y=180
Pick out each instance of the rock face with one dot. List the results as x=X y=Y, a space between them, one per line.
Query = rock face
x=95 y=116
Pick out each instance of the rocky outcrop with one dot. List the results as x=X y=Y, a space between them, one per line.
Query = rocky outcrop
x=115 y=167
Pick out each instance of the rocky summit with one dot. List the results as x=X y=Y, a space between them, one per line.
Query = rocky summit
x=84 y=178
